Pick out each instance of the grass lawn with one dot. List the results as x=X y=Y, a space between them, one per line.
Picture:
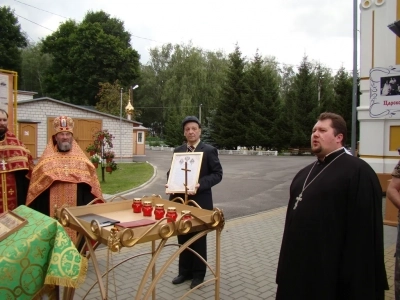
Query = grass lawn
x=128 y=176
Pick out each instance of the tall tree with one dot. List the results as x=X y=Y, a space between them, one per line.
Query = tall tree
x=343 y=85
x=182 y=78
x=96 y=50
x=305 y=106
x=231 y=119
x=284 y=125
x=35 y=65
x=262 y=97
x=12 y=40
x=109 y=98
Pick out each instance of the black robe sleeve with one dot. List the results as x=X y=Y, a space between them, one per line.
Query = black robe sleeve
x=362 y=271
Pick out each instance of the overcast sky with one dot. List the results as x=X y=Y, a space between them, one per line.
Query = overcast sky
x=286 y=29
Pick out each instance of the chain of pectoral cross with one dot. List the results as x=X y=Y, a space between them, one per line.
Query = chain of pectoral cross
x=300 y=197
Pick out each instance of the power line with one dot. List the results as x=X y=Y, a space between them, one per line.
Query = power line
x=41 y=9
x=34 y=23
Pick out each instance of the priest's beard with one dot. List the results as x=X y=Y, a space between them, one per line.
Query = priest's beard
x=316 y=149
x=3 y=130
x=64 y=146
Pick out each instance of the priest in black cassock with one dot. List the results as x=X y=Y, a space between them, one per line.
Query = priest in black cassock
x=332 y=245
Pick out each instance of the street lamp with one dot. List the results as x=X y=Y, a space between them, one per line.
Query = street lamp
x=120 y=128
x=200 y=113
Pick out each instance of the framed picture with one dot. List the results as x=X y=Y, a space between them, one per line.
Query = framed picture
x=184 y=163
x=9 y=223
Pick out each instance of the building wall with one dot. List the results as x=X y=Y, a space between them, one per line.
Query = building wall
x=40 y=110
x=378 y=48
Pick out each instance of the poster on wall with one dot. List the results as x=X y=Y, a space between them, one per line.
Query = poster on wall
x=4 y=91
x=384 y=92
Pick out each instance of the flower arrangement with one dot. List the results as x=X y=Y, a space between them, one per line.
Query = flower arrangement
x=91 y=148
x=112 y=165
x=103 y=137
x=95 y=158
x=109 y=154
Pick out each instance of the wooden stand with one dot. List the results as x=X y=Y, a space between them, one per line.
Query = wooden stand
x=202 y=221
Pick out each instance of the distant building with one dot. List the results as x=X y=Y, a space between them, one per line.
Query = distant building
x=35 y=116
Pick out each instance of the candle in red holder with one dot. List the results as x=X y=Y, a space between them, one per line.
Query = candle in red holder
x=147 y=208
x=159 y=211
x=186 y=215
x=137 y=205
x=171 y=214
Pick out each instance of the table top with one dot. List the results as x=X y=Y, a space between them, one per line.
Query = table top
x=201 y=219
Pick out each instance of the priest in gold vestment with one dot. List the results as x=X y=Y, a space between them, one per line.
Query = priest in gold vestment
x=63 y=175
x=15 y=166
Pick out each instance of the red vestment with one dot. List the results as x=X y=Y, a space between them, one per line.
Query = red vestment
x=15 y=162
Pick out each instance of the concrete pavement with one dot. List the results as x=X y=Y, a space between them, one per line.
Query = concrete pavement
x=249 y=253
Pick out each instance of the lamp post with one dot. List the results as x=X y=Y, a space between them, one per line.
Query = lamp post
x=200 y=113
x=120 y=128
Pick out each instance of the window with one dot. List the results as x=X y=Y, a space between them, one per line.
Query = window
x=140 y=137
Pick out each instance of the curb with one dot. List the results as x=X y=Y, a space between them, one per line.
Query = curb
x=108 y=197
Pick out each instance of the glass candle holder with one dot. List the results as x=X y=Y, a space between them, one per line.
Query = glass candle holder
x=147 y=208
x=137 y=205
x=171 y=214
x=186 y=215
x=159 y=211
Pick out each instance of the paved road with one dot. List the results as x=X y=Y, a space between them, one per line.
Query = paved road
x=250 y=184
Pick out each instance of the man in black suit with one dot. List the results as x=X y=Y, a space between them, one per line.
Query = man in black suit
x=190 y=266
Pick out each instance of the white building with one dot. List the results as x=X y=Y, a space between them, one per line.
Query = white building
x=379 y=110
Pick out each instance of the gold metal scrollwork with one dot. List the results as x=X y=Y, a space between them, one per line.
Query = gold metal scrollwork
x=178 y=199
x=184 y=226
x=218 y=218
x=95 y=227
x=127 y=238
x=166 y=230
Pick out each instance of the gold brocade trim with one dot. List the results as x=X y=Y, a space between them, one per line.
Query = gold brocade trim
x=64 y=194
x=4 y=197
x=76 y=283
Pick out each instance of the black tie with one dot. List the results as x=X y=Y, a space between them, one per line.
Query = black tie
x=190 y=148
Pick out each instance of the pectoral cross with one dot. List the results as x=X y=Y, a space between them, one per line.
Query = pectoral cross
x=3 y=164
x=298 y=199
x=186 y=180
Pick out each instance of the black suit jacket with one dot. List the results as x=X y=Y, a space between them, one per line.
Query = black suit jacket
x=210 y=175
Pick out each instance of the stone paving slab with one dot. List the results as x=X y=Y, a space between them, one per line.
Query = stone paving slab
x=249 y=253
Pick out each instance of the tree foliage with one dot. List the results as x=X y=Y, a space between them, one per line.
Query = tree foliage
x=35 y=65
x=109 y=99
x=231 y=117
x=12 y=40
x=178 y=81
x=85 y=54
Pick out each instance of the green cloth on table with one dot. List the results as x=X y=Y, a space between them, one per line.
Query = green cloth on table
x=38 y=254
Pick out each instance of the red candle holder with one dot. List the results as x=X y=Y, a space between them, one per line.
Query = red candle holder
x=147 y=209
x=159 y=211
x=137 y=205
x=171 y=214
x=186 y=215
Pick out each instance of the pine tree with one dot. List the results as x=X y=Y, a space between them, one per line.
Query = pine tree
x=305 y=105
x=343 y=85
x=230 y=119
